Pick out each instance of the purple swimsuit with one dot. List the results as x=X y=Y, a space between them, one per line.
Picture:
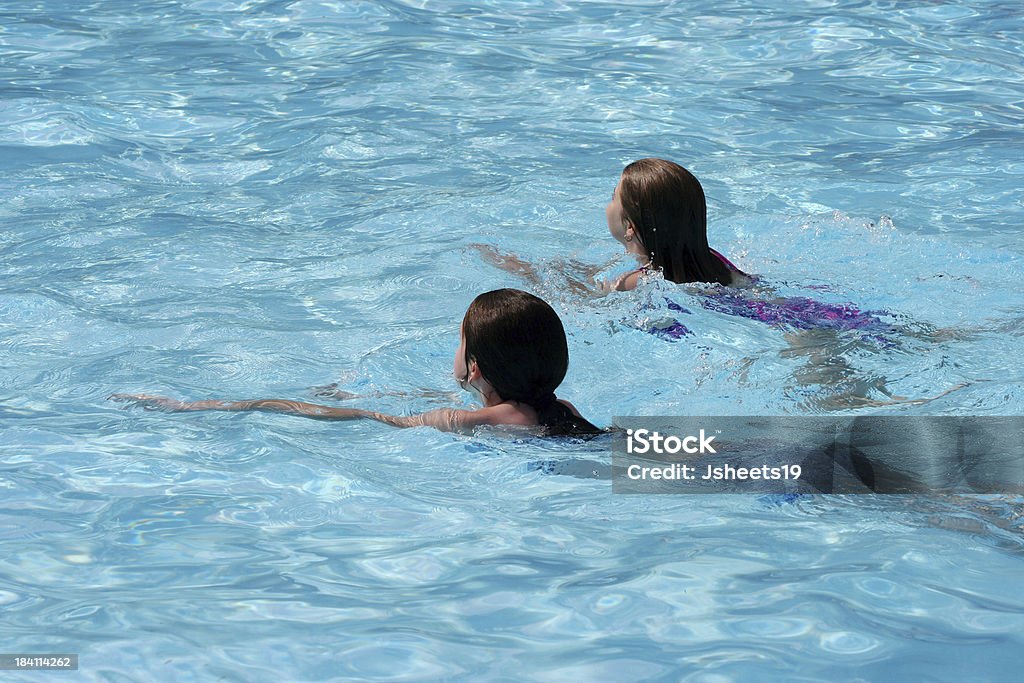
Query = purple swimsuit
x=794 y=312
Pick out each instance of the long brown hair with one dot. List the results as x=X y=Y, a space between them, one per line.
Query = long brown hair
x=666 y=205
x=518 y=342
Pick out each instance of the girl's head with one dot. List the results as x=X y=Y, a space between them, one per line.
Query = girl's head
x=515 y=342
x=658 y=210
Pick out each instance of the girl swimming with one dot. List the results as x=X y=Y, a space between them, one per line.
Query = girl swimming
x=513 y=355
x=659 y=213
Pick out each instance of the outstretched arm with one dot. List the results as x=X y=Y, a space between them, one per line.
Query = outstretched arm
x=445 y=419
x=509 y=262
x=271 y=405
x=578 y=278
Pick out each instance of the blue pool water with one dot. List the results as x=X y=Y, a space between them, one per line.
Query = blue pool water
x=247 y=199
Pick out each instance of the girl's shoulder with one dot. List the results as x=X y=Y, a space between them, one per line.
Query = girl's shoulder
x=508 y=413
x=570 y=406
x=456 y=420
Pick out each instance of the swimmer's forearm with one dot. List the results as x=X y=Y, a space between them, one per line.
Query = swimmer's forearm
x=435 y=418
x=579 y=277
x=271 y=405
x=445 y=419
x=274 y=405
x=509 y=263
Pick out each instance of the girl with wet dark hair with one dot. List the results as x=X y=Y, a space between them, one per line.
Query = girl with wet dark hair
x=658 y=212
x=513 y=355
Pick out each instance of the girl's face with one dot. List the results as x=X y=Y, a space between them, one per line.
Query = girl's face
x=468 y=377
x=619 y=226
x=616 y=216
x=459 y=368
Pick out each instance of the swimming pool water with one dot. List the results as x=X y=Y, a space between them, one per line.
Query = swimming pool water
x=251 y=199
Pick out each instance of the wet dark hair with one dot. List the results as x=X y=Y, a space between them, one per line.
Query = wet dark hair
x=518 y=342
x=666 y=205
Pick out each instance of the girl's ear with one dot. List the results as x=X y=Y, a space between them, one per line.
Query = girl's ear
x=474 y=371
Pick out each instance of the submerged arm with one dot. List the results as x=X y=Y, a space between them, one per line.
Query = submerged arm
x=269 y=405
x=445 y=419
x=578 y=277
x=509 y=262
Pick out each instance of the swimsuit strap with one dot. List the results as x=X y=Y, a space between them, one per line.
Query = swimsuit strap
x=733 y=269
x=726 y=262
